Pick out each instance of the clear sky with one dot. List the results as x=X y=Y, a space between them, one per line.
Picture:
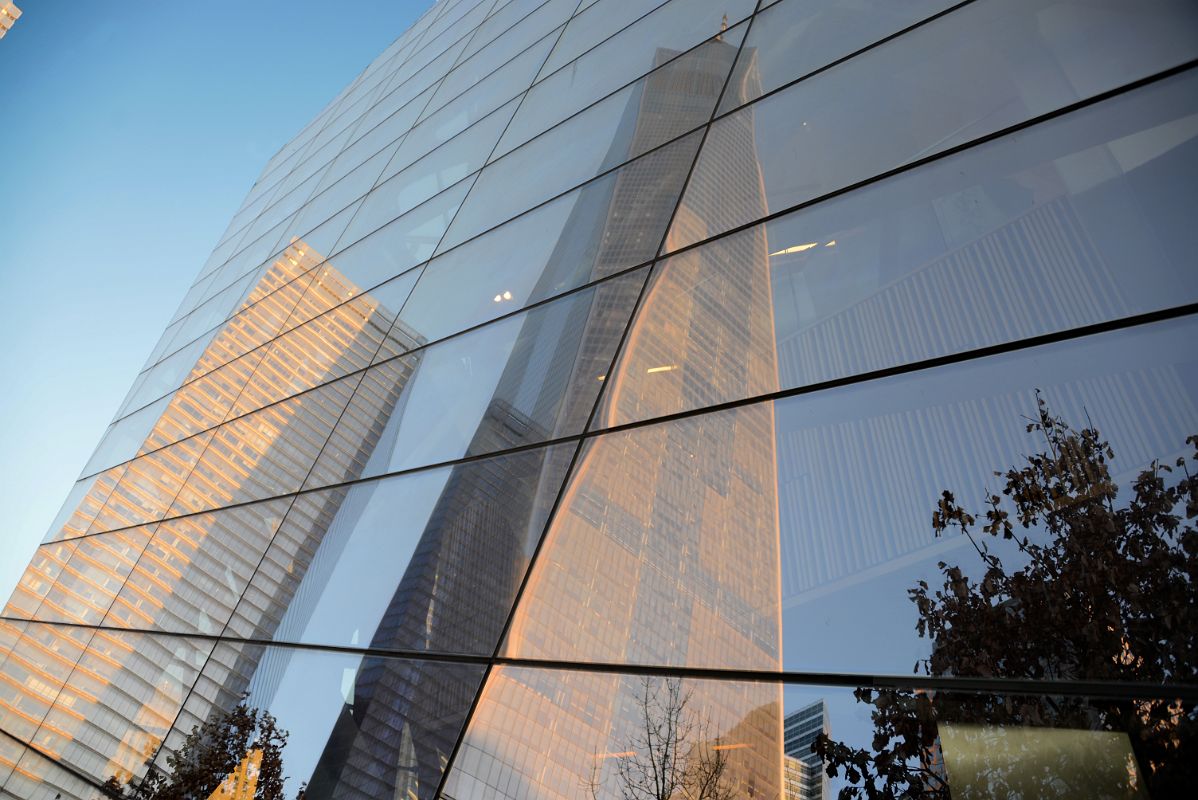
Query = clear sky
x=129 y=135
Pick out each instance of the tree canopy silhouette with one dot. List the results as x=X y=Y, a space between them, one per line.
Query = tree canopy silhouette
x=1106 y=591
x=240 y=750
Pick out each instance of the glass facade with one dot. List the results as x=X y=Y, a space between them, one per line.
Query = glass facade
x=606 y=399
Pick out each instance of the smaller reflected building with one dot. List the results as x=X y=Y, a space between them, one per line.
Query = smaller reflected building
x=805 y=778
x=9 y=13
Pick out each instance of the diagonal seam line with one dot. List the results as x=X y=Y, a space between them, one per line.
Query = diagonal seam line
x=1053 y=337
x=718 y=115
x=1080 y=687
x=1063 y=110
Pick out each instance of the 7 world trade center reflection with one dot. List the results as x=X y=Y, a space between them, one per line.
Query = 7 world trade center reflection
x=567 y=402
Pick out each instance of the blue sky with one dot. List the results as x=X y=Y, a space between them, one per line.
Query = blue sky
x=129 y=135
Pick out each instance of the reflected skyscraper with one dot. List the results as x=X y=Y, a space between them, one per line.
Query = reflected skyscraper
x=190 y=571
x=613 y=528
x=584 y=375
x=800 y=729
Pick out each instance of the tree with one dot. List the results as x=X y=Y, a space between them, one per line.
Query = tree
x=672 y=756
x=241 y=751
x=1107 y=592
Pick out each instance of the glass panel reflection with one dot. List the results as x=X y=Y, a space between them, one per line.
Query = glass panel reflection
x=688 y=91
x=99 y=701
x=34 y=776
x=358 y=726
x=941 y=89
x=521 y=380
x=1078 y=221
x=43 y=570
x=605 y=226
x=794 y=38
x=559 y=734
x=543 y=733
x=764 y=534
x=90 y=580
x=525 y=178
x=426 y=561
x=194 y=569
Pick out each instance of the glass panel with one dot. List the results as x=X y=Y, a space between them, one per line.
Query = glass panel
x=518 y=381
x=201 y=404
x=359 y=726
x=943 y=88
x=1081 y=220
x=378 y=133
x=124 y=438
x=149 y=485
x=83 y=503
x=414 y=79
x=587 y=30
x=34 y=673
x=543 y=733
x=45 y=567
x=426 y=561
x=212 y=312
x=195 y=568
x=402 y=244
x=791 y=39
x=477 y=102
x=90 y=580
x=263 y=454
x=463 y=111
x=11 y=752
x=543 y=168
x=36 y=777
x=331 y=346
x=119 y=702
x=488 y=60
x=502 y=17
x=168 y=375
x=554 y=733
x=354 y=185
x=269 y=304
x=605 y=226
x=164 y=341
x=801 y=532
x=441 y=168
x=643 y=47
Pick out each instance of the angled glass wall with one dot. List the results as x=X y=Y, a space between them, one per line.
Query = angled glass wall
x=685 y=399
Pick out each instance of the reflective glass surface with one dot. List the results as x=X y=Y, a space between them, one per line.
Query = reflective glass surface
x=792 y=39
x=358 y=726
x=522 y=380
x=1078 y=221
x=663 y=399
x=632 y=53
x=765 y=535
x=547 y=733
x=942 y=89
x=543 y=169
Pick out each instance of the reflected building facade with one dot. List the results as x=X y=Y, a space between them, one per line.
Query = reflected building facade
x=163 y=576
x=800 y=729
x=581 y=378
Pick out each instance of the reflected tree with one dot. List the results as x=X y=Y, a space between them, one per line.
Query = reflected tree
x=672 y=756
x=237 y=754
x=1106 y=590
